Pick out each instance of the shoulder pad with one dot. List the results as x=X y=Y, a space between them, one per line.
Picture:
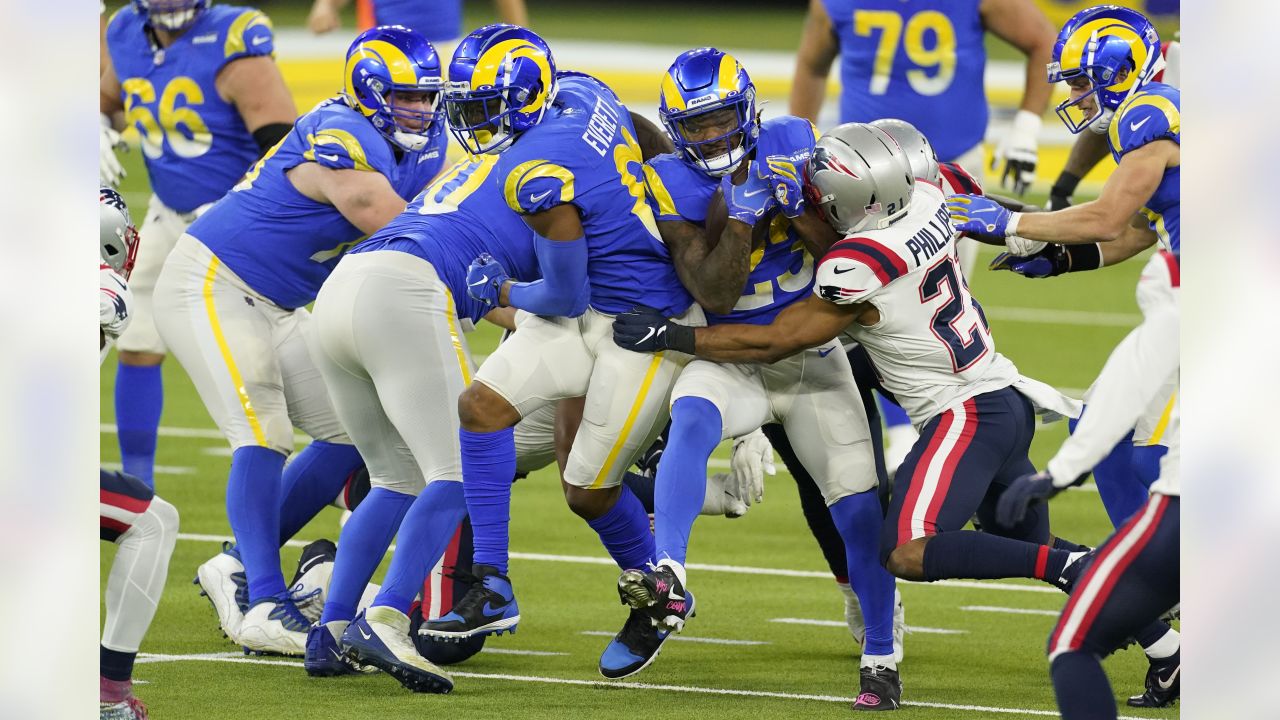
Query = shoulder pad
x=537 y=185
x=250 y=33
x=855 y=268
x=673 y=189
x=345 y=144
x=958 y=179
x=1143 y=119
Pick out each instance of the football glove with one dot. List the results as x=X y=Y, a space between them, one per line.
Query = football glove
x=1063 y=188
x=110 y=171
x=643 y=329
x=749 y=201
x=1049 y=262
x=981 y=215
x=752 y=459
x=1018 y=150
x=1024 y=492
x=787 y=190
x=485 y=278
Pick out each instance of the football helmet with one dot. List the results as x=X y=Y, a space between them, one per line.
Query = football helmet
x=699 y=83
x=391 y=59
x=1116 y=49
x=119 y=237
x=171 y=15
x=920 y=154
x=502 y=79
x=859 y=178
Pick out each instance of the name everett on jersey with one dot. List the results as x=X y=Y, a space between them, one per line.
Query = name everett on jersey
x=601 y=128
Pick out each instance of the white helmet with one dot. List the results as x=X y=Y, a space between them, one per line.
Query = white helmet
x=924 y=161
x=859 y=178
x=118 y=235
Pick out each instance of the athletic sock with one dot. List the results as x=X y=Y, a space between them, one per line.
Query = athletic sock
x=364 y=540
x=1083 y=691
x=624 y=532
x=488 y=466
x=681 y=483
x=859 y=520
x=425 y=532
x=1067 y=545
x=253 y=508
x=980 y=555
x=139 y=400
x=642 y=486
x=115 y=665
x=1158 y=640
x=311 y=481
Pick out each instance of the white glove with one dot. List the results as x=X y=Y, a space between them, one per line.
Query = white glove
x=1019 y=149
x=1023 y=247
x=110 y=171
x=752 y=458
x=114 y=301
x=719 y=499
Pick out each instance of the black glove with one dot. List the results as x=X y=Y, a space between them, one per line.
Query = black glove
x=1025 y=491
x=643 y=329
x=1053 y=260
x=1062 y=190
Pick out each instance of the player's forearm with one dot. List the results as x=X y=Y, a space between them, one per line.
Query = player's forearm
x=721 y=275
x=513 y=12
x=1036 y=92
x=814 y=232
x=743 y=343
x=1087 y=223
x=807 y=93
x=560 y=292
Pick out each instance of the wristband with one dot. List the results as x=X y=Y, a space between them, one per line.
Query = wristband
x=1011 y=228
x=1084 y=257
x=680 y=338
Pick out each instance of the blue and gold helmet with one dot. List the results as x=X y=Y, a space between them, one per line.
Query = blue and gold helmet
x=394 y=59
x=708 y=105
x=171 y=15
x=1115 y=48
x=502 y=79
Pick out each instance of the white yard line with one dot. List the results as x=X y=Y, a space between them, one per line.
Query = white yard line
x=843 y=624
x=509 y=651
x=685 y=638
x=1086 y=318
x=223 y=657
x=1009 y=610
x=158 y=469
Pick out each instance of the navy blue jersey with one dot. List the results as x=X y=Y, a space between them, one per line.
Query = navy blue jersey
x=781 y=271
x=194 y=143
x=453 y=221
x=585 y=153
x=1154 y=113
x=284 y=244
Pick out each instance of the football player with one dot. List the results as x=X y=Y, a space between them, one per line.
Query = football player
x=1108 y=56
x=570 y=162
x=707 y=103
x=131 y=515
x=199 y=85
x=235 y=288
x=440 y=22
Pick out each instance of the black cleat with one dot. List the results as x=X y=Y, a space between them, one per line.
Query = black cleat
x=488 y=608
x=1162 y=683
x=659 y=594
x=633 y=648
x=881 y=689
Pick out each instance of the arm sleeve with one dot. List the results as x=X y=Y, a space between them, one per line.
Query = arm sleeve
x=563 y=289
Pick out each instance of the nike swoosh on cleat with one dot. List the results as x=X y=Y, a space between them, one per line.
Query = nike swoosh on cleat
x=489 y=612
x=364 y=634
x=310 y=563
x=1173 y=677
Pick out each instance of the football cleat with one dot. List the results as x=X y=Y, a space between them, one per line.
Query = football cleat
x=326 y=657
x=310 y=584
x=222 y=580
x=116 y=701
x=488 y=608
x=659 y=594
x=634 y=647
x=380 y=637
x=274 y=625
x=858 y=627
x=881 y=689
x=1077 y=563
x=441 y=652
x=1162 y=683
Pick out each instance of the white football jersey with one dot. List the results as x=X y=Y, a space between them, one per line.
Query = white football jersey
x=932 y=347
x=114 y=300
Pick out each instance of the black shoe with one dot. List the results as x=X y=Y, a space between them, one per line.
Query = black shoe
x=881 y=689
x=647 y=463
x=659 y=594
x=440 y=652
x=320 y=551
x=489 y=607
x=1074 y=570
x=633 y=648
x=1162 y=683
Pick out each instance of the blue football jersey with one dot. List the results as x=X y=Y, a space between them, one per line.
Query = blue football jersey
x=458 y=217
x=585 y=153
x=284 y=244
x=436 y=19
x=918 y=60
x=194 y=143
x=781 y=271
x=1151 y=114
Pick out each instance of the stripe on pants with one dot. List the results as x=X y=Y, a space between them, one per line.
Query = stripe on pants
x=935 y=470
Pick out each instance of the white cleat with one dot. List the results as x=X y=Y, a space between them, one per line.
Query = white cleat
x=274 y=626
x=221 y=578
x=858 y=626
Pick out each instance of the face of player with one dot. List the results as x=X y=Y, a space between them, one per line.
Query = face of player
x=1081 y=86
x=413 y=110
x=709 y=126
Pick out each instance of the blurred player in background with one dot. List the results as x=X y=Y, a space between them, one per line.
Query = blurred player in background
x=923 y=61
x=199 y=85
x=708 y=106
x=440 y=21
x=234 y=292
x=1109 y=56
x=144 y=526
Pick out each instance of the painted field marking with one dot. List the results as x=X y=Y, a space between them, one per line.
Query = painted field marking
x=1086 y=318
x=1010 y=611
x=843 y=624
x=684 y=638
x=229 y=658
x=158 y=469
x=510 y=651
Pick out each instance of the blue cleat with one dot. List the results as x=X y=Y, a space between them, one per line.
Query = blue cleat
x=488 y=608
x=633 y=648
x=325 y=655
x=380 y=637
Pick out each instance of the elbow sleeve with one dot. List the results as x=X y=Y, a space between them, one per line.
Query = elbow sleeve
x=563 y=289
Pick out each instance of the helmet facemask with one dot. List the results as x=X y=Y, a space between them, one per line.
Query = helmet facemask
x=411 y=129
x=722 y=152
x=171 y=15
x=481 y=120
